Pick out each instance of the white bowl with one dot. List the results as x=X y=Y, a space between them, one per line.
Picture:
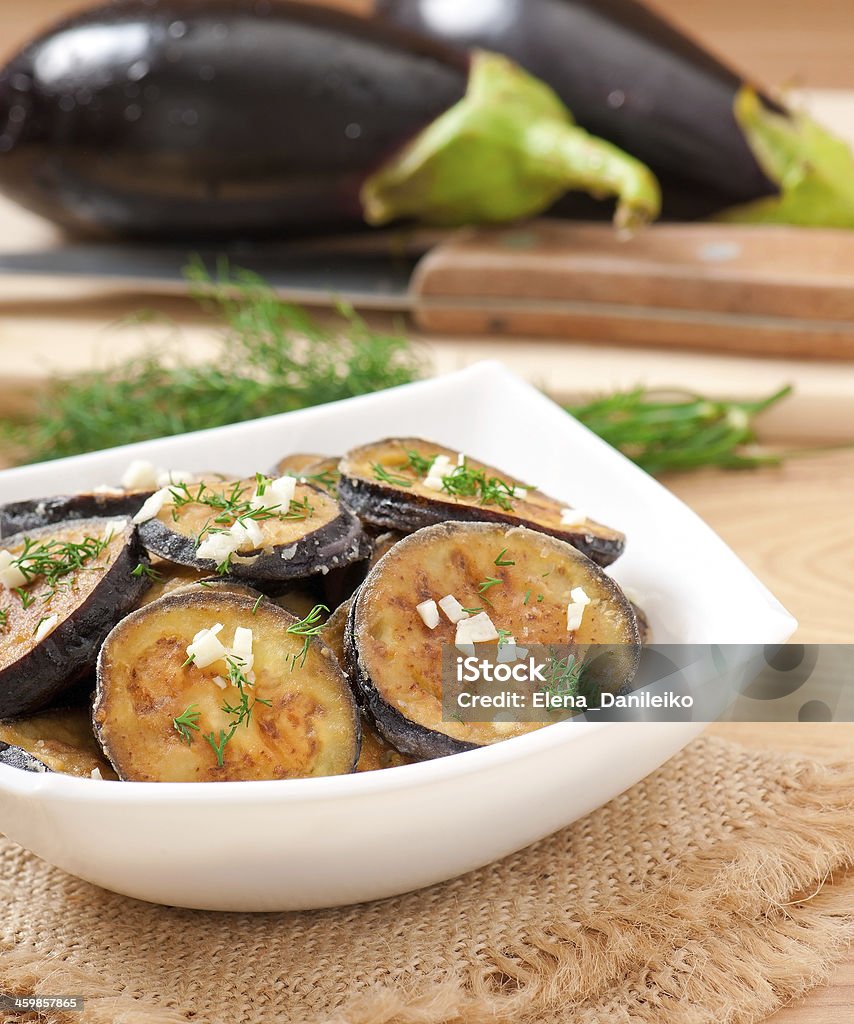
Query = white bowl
x=311 y=843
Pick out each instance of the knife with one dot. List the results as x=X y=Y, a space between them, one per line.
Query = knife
x=768 y=290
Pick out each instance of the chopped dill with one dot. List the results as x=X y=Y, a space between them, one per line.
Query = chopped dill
x=383 y=475
x=307 y=627
x=501 y=560
x=146 y=570
x=270 y=357
x=218 y=746
x=187 y=723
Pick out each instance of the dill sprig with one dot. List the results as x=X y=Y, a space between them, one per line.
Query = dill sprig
x=418 y=462
x=187 y=723
x=270 y=357
x=384 y=476
x=53 y=560
x=4 y=618
x=465 y=482
x=218 y=744
x=675 y=431
x=307 y=627
x=235 y=506
x=146 y=570
x=242 y=712
x=563 y=676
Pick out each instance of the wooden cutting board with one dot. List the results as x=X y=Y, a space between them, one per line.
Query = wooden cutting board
x=775 y=290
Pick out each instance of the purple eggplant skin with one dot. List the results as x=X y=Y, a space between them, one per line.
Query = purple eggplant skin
x=626 y=75
x=188 y=118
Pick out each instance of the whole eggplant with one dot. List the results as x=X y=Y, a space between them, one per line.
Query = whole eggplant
x=186 y=117
x=624 y=72
x=229 y=117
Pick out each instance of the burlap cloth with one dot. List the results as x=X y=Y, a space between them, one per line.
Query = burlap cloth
x=713 y=891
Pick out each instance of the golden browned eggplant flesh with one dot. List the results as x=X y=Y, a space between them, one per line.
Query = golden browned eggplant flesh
x=284 y=625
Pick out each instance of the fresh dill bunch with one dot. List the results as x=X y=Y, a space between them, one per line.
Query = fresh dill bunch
x=272 y=357
x=675 y=431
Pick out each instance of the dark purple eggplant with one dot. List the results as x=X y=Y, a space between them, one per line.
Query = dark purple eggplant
x=170 y=118
x=631 y=77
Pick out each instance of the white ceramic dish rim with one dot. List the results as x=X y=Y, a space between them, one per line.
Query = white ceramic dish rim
x=25 y=784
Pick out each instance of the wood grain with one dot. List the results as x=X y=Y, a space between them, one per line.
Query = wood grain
x=766 y=290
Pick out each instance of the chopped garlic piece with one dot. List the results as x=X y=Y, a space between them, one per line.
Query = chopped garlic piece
x=46 y=627
x=220 y=682
x=507 y=650
x=574 y=616
x=433 y=483
x=206 y=647
x=218 y=547
x=452 y=608
x=139 y=475
x=10 y=574
x=174 y=476
x=241 y=648
x=461 y=459
x=113 y=528
x=520 y=492
x=579 y=596
x=153 y=506
x=475 y=629
x=440 y=466
x=247 y=533
x=429 y=613
x=283 y=489
x=572 y=517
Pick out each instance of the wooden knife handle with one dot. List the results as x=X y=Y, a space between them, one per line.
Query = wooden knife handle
x=764 y=290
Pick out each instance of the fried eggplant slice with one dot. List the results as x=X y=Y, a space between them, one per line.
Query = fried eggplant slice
x=408 y=483
x=395 y=659
x=166 y=578
x=61 y=740
x=286 y=711
x=305 y=535
x=17 y=757
x=70 y=584
x=644 y=628
x=295 y=463
x=376 y=752
x=21 y=516
x=382 y=543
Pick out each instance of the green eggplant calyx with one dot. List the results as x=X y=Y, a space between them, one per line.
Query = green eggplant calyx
x=508 y=149
x=813 y=169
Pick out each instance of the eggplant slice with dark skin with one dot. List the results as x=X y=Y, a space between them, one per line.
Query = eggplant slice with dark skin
x=395 y=659
x=19 y=516
x=78 y=585
x=385 y=483
x=311 y=536
x=192 y=118
x=714 y=140
x=376 y=752
x=60 y=740
x=155 y=706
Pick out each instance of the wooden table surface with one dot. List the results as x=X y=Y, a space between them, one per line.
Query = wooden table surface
x=793 y=526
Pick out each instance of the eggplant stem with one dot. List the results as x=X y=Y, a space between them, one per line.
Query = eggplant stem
x=593 y=165
x=509 y=149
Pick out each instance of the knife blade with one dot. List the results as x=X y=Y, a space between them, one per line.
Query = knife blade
x=771 y=290
x=311 y=274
